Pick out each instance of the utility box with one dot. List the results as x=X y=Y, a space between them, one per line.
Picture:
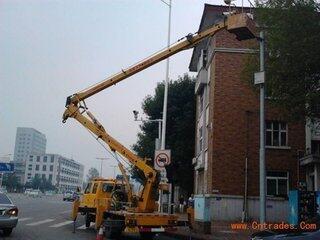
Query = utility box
x=303 y=206
x=202 y=214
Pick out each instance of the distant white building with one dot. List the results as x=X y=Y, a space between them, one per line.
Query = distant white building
x=28 y=141
x=64 y=173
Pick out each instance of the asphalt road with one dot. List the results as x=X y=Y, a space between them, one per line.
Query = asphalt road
x=48 y=218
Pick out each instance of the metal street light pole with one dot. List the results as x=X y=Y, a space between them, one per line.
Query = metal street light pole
x=159 y=121
x=101 y=164
x=260 y=80
x=165 y=100
x=262 y=137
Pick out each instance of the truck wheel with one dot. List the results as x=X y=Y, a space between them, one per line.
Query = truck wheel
x=114 y=233
x=87 y=220
x=147 y=236
x=7 y=231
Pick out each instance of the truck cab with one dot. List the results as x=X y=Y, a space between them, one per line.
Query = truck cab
x=96 y=199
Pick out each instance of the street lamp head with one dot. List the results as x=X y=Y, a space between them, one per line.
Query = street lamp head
x=135 y=114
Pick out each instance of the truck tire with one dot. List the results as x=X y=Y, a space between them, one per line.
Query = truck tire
x=113 y=233
x=147 y=236
x=88 y=220
x=7 y=231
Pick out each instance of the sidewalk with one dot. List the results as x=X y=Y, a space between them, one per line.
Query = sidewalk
x=219 y=231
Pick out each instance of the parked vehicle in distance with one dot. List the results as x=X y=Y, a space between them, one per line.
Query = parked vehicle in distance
x=49 y=193
x=8 y=214
x=68 y=196
x=27 y=191
x=34 y=193
x=3 y=190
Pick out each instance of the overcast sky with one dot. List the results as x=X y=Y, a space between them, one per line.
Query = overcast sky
x=52 y=49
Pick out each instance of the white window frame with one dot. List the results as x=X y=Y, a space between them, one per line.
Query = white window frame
x=200 y=139
x=277 y=185
x=279 y=136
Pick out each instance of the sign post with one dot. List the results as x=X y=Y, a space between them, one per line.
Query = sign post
x=162 y=159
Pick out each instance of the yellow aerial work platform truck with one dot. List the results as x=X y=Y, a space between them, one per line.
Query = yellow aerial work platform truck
x=142 y=214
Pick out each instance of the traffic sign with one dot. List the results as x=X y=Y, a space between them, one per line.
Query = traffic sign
x=6 y=167
x=162 y=158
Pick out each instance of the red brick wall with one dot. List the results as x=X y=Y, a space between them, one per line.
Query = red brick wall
x=230 y=98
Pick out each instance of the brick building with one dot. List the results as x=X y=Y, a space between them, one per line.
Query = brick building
x=227 y=131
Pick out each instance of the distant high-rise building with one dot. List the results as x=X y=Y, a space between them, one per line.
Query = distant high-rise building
x=63 y=173
x=28 y=141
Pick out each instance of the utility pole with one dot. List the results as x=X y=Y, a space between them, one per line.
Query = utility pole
x=165 y=99
x=262 y=138
x=101 y=159
x=165 y=102
x=259 y=79
x=159 y=121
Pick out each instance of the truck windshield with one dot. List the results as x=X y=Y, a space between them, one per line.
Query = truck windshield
x=88 y=188
x=107 y=187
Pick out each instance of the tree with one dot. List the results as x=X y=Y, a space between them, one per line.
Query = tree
x=293 y=55
x=10 y=180
x=36 y=182
x=42 y=184
x=93 y=173
x=180 y=132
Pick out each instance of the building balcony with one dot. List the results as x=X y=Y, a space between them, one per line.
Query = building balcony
x=309 y=159
x=202 y=80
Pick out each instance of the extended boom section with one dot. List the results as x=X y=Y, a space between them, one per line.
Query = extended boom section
x=147 y=198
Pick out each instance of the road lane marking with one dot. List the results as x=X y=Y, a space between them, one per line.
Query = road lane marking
x=61 y=224
x=40 y=222
x=65 y=212
x=84 y=226
x=23 y=219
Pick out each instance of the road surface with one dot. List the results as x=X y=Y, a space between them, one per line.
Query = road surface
x=48 y=218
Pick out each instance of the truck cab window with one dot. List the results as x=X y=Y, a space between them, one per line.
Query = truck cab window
x=107 y=187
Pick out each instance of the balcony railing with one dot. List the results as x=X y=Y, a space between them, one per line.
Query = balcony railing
x=309 y=158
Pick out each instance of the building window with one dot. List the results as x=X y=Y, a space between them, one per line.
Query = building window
x=45 y=159
x=52 y=158
x=38 y=158
x=44 y=168
x=51 y=168
x=315 y=147
x=37 y=167
x=201 y=101
x=200 y=139
x=43 y=176
x=276 y=134
x=50 y=178
x=277 y=183
x=31 y=158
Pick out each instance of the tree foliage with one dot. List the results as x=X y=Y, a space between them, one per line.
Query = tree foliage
x=180 y=129
x=10 y=180
x=293 y=55
x=92 y=173
x=42 y=184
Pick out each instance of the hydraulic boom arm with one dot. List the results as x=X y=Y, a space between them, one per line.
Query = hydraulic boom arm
x=239 y=24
